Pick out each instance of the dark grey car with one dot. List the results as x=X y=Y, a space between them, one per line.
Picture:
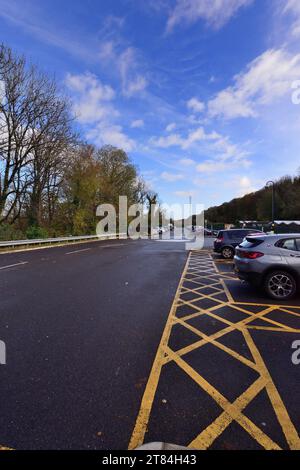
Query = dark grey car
x=272 y=262
x=228 y=240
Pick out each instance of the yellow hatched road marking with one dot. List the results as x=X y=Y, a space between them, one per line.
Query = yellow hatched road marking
x=202 y=273
x=245 y=422
x=217 y=427
x=278 y=405
x=229 y=351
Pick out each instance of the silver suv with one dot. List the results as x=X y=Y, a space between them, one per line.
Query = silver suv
x=272 y=262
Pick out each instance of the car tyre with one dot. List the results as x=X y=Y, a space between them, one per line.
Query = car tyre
x=280 y=285
x=227 y=252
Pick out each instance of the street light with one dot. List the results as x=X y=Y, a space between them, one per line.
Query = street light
x=268 y=184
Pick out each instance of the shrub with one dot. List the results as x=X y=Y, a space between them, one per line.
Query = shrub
x=35 y=232
x=9 y=232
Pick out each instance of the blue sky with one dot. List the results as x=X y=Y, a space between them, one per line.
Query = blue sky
x=198 y=92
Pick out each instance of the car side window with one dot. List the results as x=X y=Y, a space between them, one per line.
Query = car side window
x=232 y=234
x=289 y=244
x=298 y=244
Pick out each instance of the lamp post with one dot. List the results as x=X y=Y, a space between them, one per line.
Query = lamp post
x=269 y=183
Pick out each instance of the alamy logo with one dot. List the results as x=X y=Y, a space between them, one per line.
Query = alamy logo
x=296 y=92
x=296 y=354
x=2 y=353
x=136 y=221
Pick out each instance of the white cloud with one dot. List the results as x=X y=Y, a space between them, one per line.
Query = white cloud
x=211 y=166
x=187 y=162
x=171 y=140
x=115 y=53
x=224 y=154
x=91 y=97
x=107 y=51
x=171 y=127
x=94 y=110
x=112 y=134
x=195 y=105
x=138 y=124
x=221 y=165
x=266 y=79
x=216 y=13
x=171 y=177
x=132 y=83
x=135 y=85
x=293 y=7
x=185 y=194
x=192 y=138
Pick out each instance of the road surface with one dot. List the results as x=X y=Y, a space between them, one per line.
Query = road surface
x=84 y=324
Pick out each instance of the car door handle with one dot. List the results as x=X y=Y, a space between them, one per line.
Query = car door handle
x=295 y=256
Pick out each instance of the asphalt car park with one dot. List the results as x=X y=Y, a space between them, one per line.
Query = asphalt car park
x=100 y=358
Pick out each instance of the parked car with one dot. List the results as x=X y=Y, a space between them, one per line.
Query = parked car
x=270 y=261
x=228 y=240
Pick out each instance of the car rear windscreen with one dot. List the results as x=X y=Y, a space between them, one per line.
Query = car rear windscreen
x=251 y=243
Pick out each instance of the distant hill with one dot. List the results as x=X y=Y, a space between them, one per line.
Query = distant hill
x=257 y=205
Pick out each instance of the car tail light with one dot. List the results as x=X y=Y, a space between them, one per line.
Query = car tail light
x=250 y=254
x=219 y=240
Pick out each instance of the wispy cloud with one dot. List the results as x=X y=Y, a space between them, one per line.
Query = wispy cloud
x=177 y=140
x=116 y=53
x=171 y=127
x=171 y=177
x=216 y=13
x=132 y=82
x=187 y=162
x=224 y=154
x=265 y=80
x=28 y=20
x=292 y=7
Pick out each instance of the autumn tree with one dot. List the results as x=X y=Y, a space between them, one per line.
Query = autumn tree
x=34 y=126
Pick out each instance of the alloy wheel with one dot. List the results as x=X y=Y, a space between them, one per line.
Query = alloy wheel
x=281 y=286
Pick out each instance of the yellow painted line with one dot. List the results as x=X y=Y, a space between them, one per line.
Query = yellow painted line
x=227 y=292
x=232 y=327
x=222 y=261
x=270 y=328
x=221 y=346
x=140 y=428
x=245 y=422
x=253 y=315
x=288 y=311
x=266 y=319
x=254 y=304
x=283 y=417
x=207 y=437
x=198 y=292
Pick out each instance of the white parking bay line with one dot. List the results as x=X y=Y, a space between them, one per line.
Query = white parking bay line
x=14 y=265
x=78 y=251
